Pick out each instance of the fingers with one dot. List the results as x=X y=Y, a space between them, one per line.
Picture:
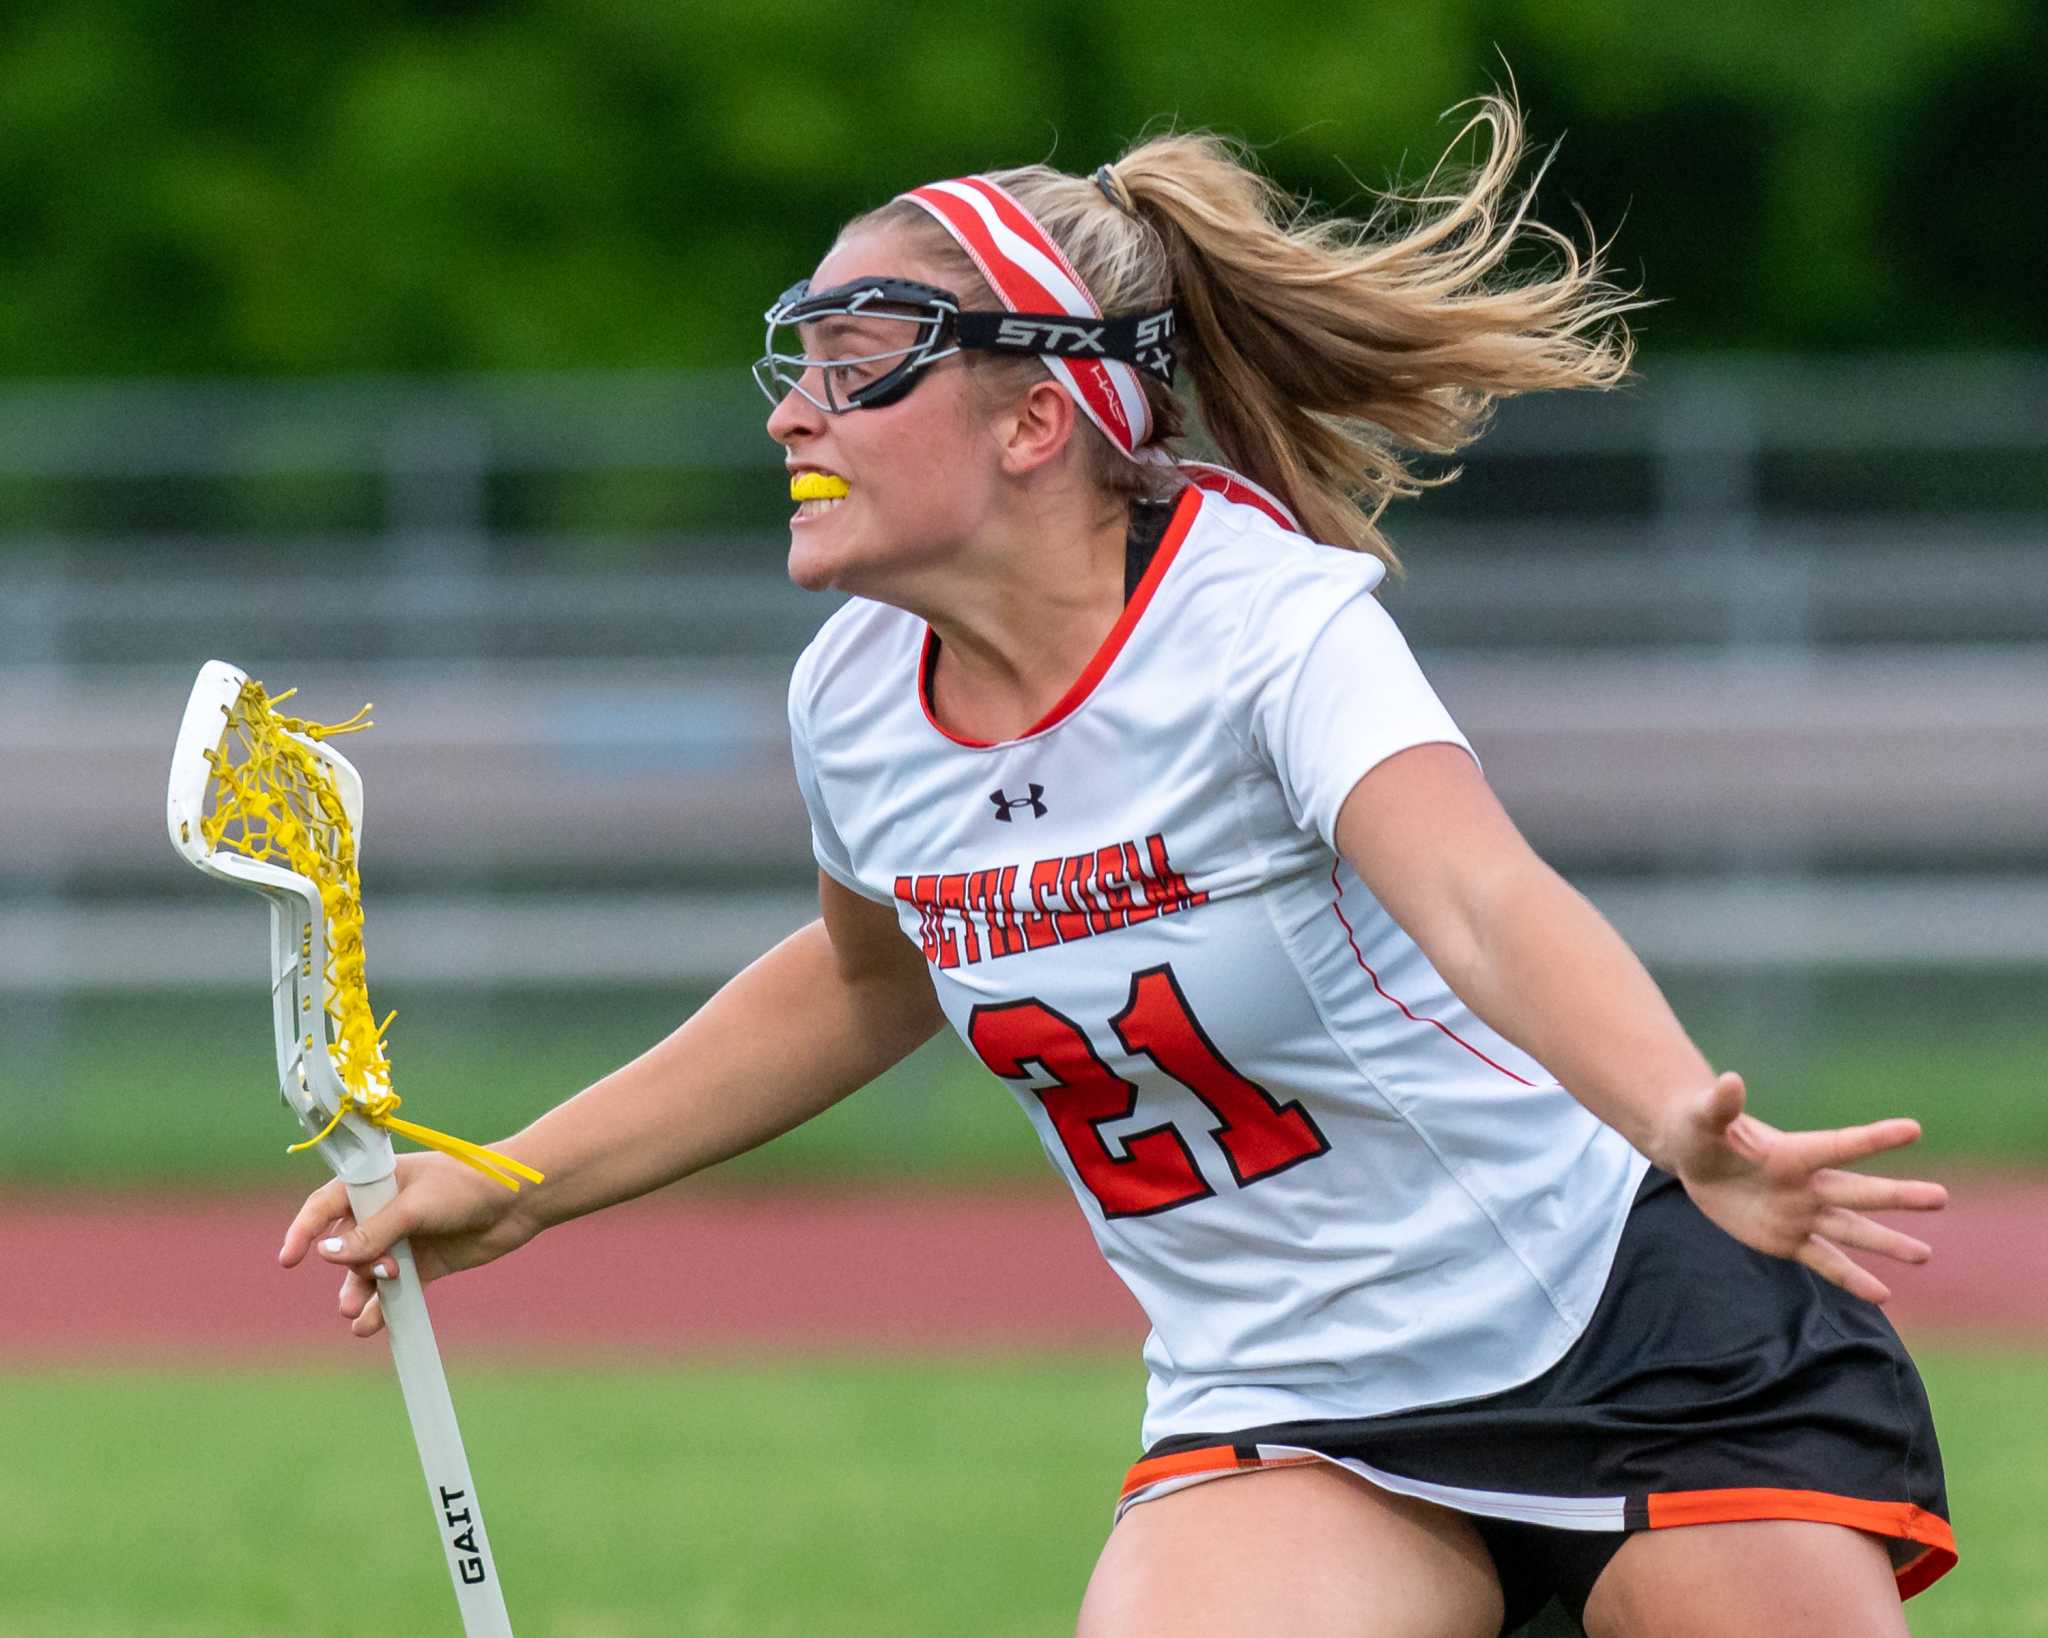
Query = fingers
x=360 y=1304
x=1723 y=1103
x=1860 y=1191
x=358 y=1285
x=325 y=1220
x=1847 y=1228
x=325 y=1208
x=1829 y=1262
x=1751 y=1138
x=1849 y=1144
x=358 y=1243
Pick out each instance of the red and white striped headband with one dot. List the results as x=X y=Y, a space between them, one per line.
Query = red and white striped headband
x=1030 y=274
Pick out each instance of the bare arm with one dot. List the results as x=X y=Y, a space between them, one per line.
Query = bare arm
x=814 y=1019
x=1520 y=946
x=1537 y=962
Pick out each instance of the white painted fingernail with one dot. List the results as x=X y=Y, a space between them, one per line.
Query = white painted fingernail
x=387 y=1271
x=331 y=1247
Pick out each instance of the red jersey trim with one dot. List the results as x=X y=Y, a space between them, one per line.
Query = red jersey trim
x=1183 y=519
x=1235 y=486
x=1337 y=904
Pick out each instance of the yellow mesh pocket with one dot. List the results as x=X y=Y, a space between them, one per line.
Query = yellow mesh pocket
x=273 y=799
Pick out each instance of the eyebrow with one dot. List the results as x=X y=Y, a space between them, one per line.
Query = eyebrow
x=840 y=327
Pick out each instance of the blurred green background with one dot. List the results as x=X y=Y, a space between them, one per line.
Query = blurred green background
x=463 y=185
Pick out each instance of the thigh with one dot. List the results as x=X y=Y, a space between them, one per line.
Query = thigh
x=1784 y=1577
x=1310 y=1551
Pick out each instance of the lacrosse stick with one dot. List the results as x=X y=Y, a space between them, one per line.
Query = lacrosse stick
x=261 y=800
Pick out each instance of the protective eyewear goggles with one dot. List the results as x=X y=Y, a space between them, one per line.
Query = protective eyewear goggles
x=877 y=337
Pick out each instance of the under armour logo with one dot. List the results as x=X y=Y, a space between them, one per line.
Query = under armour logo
x=1005 y=804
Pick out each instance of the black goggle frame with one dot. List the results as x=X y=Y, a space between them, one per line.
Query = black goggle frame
x=1145 y=341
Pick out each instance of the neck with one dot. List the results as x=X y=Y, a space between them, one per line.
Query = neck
x=1021 y=622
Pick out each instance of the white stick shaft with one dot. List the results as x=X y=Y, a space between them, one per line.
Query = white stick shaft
x=457 y=1515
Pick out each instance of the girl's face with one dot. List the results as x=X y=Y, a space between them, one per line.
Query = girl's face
x=921 y=472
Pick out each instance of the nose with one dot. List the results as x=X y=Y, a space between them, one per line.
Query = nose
x=794 y=418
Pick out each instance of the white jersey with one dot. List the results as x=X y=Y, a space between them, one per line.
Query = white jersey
x=1335 y=1192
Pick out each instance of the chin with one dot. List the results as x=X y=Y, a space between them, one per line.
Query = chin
x=808 y=570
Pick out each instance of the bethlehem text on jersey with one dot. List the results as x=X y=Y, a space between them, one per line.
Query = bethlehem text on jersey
x=979 y=915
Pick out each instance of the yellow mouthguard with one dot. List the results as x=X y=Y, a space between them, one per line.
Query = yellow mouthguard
x=816 y=486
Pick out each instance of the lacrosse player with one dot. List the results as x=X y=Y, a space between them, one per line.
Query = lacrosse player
x=1464 y=1267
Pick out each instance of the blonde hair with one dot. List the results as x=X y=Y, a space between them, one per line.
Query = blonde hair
x=1321 y=353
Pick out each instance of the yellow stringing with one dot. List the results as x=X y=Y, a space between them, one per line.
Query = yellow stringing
x=283 y=802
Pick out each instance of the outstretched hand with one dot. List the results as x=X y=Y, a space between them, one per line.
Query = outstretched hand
x=1785 y=1192
x=453 y=1216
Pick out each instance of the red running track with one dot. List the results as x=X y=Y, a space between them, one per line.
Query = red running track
x=145 y=1278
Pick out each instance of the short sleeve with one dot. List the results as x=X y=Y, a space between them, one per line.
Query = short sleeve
x=1325 y=685
x=826 y=846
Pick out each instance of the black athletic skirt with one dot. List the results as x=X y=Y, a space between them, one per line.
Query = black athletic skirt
x=1713 y=1383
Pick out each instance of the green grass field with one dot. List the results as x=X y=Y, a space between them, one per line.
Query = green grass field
x=907 y=1498
x=87 y=1081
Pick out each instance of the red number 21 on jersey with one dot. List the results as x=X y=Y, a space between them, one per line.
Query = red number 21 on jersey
x=1156 y=1172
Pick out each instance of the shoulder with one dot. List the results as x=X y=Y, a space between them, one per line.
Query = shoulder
x=1257 y=558
x=1265 y=588
x=862 y=649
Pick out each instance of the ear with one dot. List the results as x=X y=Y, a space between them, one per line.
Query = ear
x=1037 y=428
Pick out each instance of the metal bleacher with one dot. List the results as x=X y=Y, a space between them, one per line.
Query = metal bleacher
x=1756 y=652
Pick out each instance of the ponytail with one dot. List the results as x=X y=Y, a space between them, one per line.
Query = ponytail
x=1320 y=352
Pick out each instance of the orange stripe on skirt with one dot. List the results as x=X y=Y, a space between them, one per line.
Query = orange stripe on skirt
x=1902 y=1521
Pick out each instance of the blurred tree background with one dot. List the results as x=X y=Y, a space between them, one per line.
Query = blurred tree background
x=190 y=188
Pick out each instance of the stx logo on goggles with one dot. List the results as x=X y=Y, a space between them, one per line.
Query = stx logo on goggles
x=1068 y=339
x=1141 y=339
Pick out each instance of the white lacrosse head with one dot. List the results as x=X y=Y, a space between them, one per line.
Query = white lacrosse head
x=207 y=713
x=356 y=1150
